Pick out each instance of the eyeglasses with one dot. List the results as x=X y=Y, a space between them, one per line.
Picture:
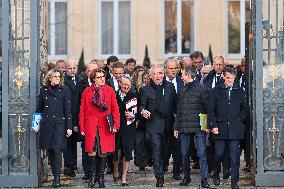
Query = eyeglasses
x=100 y=77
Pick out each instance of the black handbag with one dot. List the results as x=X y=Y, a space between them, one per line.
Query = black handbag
x=110 y=122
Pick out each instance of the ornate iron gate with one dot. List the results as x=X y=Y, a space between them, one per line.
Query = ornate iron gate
x=21 y=61
x=269 y=91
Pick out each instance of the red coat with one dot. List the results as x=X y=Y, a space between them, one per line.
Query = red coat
x=91 y=119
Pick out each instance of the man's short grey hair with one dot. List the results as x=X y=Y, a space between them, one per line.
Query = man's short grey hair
x=155 y=66
x=171 y=60
x=68 y=62
x=191 y=71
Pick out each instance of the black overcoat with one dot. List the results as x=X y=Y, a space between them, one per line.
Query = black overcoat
x=193 y=100
x=54 y=103
x=125 y=137
x=228 y=115
x=156 y=124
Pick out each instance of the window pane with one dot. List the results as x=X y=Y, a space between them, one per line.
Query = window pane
x=124 y=27
x=170 y=27
x=187 y=26
x=107 y=28
x=60 y=28
x=234 y=27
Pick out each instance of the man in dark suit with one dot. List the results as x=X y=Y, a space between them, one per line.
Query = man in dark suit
x=70 y=154
x=80 y=87
x=108 y=68
x=171 y=67
x=246 y=143
x=214 y=77
x=117 y=72
x=226 y=117
x=198 y=62
x=158 y=106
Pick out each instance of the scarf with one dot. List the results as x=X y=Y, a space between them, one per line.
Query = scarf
x=98 y=99
x=160 y=93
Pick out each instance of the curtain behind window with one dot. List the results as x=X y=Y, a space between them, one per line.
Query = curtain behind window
x=60 y=28
x=124 y=28
x=107 y=28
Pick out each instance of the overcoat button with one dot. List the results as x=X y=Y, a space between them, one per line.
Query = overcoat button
x=53 y=116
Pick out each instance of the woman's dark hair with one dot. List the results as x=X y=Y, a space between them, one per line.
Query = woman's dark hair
x=94 y=73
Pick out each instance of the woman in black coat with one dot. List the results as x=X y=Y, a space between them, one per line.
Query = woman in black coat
x=55 y=125
x=125 y=138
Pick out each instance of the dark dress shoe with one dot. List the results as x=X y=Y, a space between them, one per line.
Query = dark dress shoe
x=142 y=168
x=56 y=182
x=185 y=182
x=69 y=172
x=216 y=181
x=124 y=184
x=204 y=183
x=109 y=171
x=226 y=174
x=176 y=177
x=159 y=183
x=195 y=166
x=86 y=176
x=234 y=184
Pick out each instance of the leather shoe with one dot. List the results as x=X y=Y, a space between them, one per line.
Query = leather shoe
x=86 y=176
x=115 y=179
x=226 y=173
x=176 y=176
x=142 y=168
x=185 y=182
x=216 y=181
x=109 y=171
x=195 y=166
x=124 y=184
x=234 y=184
x=204 y=183
x=159 y=183
x=69 y=172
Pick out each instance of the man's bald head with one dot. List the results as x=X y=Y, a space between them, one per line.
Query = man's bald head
x=71 y=68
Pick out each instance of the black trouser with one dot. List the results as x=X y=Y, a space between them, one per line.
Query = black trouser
x=176 y=151
x=70 y=153
x=55 y=156
x=245 y=145
x=159 y=147
x=234 y=153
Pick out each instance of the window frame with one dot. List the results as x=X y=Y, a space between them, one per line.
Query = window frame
x=242 y=29
x=51 y=40
x=179 y=29
x=115 y=30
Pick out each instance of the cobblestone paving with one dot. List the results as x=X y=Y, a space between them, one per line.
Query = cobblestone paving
x=144 y=179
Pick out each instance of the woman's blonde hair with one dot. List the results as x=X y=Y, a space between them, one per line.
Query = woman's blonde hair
x=51 y=73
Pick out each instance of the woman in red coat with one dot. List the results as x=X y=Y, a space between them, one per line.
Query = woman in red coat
x=98 y=101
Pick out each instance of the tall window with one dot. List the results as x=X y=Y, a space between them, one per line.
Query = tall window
x=237 y=14
x=57 y=23
x=115 y=27
x=178 y=26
